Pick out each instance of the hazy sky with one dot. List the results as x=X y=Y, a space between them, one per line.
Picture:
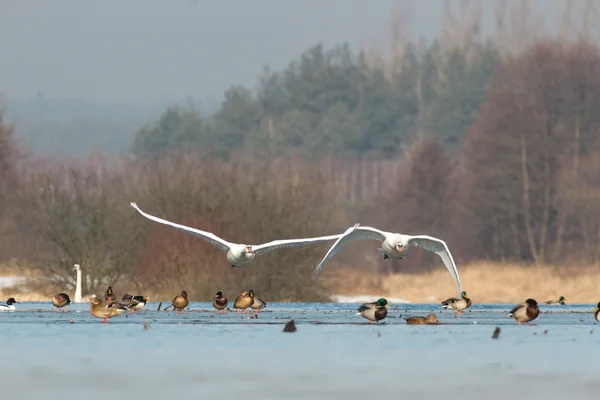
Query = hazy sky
x=152 y=50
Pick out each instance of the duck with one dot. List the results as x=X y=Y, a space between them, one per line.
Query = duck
x=597 y=312
x=180 y=302
x=525 y=312
x=257 y=304
x=109 y=296
x=141 y=302
x=430 y=319
x=61 y=300
x=106 y=309
x=9 y=305
x=561 y=301
x=134 y=303
x=128 y=301
x=242 y=302
x=375 y=311
x=220 y=302
x=457 y=303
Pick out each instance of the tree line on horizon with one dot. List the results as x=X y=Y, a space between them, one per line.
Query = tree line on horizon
x=494 y=152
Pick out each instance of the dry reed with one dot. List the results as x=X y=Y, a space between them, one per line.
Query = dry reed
x=485 y=283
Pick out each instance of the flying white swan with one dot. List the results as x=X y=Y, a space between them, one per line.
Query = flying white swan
x=394 y=245
x=78 y=298
x=239 y=255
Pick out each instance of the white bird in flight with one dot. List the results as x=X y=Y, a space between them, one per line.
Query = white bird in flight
x=394 y=245
x=239 y=255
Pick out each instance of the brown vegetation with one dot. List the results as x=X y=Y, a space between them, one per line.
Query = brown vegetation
x=523 y=188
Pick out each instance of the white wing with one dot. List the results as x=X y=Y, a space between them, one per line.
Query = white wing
x=264 y=248
x=439 y=247
x=354 y=233
x=209 y=237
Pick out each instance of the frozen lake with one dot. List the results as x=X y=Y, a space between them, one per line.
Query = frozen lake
x=333 y=354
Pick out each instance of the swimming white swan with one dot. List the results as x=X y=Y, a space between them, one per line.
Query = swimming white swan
x=9 y=306
x=394 y=245
x=78 y=298
x=239 y=255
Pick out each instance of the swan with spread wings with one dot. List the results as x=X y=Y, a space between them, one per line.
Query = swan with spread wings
x=239 y=255
x=394 y=245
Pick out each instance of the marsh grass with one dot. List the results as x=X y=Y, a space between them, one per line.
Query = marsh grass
x=484 y=282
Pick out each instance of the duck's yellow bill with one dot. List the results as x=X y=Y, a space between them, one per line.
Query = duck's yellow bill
x=388 y=306
x=595 y=309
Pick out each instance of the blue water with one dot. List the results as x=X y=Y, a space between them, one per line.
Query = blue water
x=334 y=354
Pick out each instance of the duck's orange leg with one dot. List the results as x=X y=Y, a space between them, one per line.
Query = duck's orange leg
x=105 y=320
x=65 y=309
x=458 y=312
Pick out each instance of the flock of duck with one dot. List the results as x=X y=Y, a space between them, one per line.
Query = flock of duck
x=393 y=246
x=109 y=306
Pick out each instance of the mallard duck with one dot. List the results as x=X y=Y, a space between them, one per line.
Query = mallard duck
x=561 y=301
x=375 y=311
x=525 y=312
x=430 y=319
x=257 y=304
x=134 y=303
x=109 y=296
x=106 y=309
x=457 y=303
x=597 y=312
x=141 y=302
x=128 y=301
x=220 y=302
x=9 y=305
x=61 y=300
x=242 y=302
x=180 y=302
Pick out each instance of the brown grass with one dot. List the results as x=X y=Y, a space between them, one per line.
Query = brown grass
x=484 y=282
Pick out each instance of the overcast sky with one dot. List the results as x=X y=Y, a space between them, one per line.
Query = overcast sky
x=155 y=50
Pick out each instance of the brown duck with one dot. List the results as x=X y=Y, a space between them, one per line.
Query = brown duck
x=242 y=302
x=180 y=302
x=106 y=309
x=220 y=302
x=61 y=300
x=430 y=319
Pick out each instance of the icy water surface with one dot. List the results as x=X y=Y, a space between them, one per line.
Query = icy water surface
x=334 y=354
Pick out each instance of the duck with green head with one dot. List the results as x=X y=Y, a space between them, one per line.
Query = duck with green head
x=457 y=303
x=597 y=312
x=375 y=311
x=525 y=312
x=220 y=302
x=257 y=304
x=561 y=301
x=109 y=296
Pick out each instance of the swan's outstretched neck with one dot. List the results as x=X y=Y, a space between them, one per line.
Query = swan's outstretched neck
x=78 y=287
